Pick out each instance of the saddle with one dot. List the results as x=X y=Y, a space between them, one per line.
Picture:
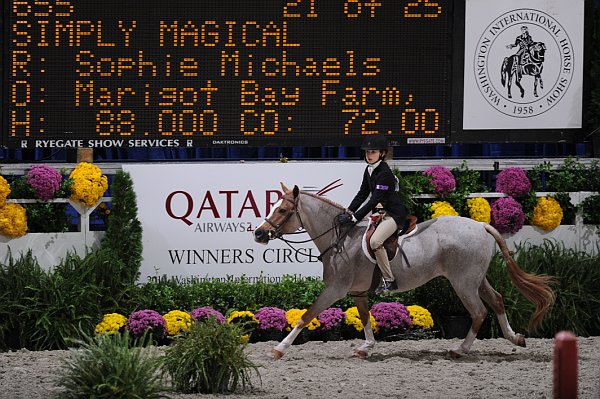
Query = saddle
x=391 y=244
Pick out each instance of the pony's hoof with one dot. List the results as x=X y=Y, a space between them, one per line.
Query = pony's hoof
x=361 y=353
x=276 y=354
x=520 y=340
x=455 y=353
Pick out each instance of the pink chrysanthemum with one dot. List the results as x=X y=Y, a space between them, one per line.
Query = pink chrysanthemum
x=207 y=311
x=507 y=215
x=391 y=316
x=45 y=181
x=270 y=317
x=442 y=179
x=147 y=319
x=513 y=182
x=331 y=317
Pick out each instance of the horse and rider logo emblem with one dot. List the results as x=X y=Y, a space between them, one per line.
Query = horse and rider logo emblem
x=523 y=63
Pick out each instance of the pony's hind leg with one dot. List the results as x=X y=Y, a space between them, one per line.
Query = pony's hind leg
x=472 y=302
x=494 y=299
x=362 y=304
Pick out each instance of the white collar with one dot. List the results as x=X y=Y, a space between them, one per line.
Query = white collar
x=373 y=166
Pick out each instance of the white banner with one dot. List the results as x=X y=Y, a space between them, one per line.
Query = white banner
x=523 y=64
x=198 y=219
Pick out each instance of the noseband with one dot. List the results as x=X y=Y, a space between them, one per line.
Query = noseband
x=273 y=234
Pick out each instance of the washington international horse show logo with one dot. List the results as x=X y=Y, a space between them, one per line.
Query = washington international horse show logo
x=523 y=63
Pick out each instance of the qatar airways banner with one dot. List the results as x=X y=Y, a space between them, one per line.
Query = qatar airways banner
x=523 y=64
x=198 y=219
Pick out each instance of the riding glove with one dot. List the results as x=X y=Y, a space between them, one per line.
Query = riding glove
x=345 y=218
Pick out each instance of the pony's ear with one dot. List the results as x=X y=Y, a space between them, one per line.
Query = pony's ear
x=296 y=191
x=284 y=188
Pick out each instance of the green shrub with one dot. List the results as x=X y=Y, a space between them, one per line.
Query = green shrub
x=110 y=367
x=123 y=234
x=209 y=359
x=18 y=281
x=41 y=309
x=577 y=306
x=589 y=209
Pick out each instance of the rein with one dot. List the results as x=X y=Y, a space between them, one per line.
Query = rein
x=277 y=232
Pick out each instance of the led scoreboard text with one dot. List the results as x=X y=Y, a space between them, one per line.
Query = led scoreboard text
x=187 y=73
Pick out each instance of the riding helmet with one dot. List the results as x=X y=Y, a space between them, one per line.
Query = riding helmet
x=375 y=142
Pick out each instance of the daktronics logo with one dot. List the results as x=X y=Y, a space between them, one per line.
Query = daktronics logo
x=208 y=209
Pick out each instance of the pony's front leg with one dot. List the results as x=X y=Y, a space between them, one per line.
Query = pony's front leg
x=362 y=304
x=279 y=350
x=330 y=295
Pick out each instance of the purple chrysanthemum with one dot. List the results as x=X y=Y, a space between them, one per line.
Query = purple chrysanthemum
x=207 y=311
x=513 y=182
x=331 y=317
x=146 y=319
x=45 y=181
x=271 y=318
x=391 y=316
x=442 y=179
x=507 y=215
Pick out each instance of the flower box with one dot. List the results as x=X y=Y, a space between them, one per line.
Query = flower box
x=50 y=248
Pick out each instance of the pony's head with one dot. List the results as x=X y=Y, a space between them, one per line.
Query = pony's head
x=283 y=218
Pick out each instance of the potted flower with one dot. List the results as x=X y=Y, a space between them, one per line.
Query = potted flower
x=507 y=215
x=479 y=209
x=331 y=324
x=13 y=220
x=89 y=184
x=352 y=328
x=44 y=180
x=147 y=321
x=205 y=312
x=4 y=191
x=547 y=213
x=178 y=322
x=442 y=208
x=293 y=316
x=271 y=323
x=442 y=180
x=513 y=182
x=111 y=324
x=392 y=319
x=422 y=323
x=420 y=317
x=245 y=319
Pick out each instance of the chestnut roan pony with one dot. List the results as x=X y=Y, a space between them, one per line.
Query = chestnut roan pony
x=457 y=248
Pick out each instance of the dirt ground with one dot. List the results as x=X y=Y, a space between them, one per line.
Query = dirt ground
x=405 y=369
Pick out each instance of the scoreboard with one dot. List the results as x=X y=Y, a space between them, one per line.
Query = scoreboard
x=193 y=73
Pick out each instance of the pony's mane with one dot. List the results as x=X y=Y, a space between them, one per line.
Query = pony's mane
x=324 y=199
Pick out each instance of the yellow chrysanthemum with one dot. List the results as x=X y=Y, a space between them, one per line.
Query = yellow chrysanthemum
x=241 y=316
x=547 y=213
x=177 y=322
x=442 y=208
x=353 y=320
x=13 y=220
x=479 y=209
x=111 y=324
x=89 y=184
x=4 y=191
x=420 y=316
x=293 y=316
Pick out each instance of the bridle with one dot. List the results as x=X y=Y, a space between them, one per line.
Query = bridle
x=274 y=234
x=278 y=234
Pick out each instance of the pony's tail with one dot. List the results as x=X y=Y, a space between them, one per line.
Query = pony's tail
x=535 y=287
x=503 y=71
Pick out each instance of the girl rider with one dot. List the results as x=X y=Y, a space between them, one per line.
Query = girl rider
x=378 y=186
